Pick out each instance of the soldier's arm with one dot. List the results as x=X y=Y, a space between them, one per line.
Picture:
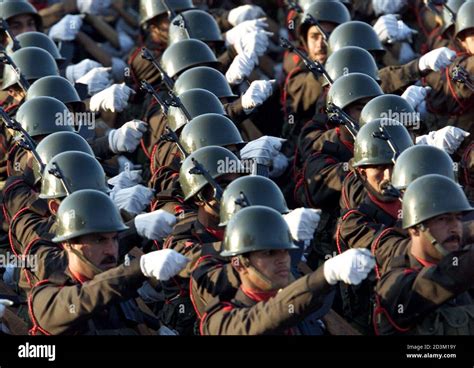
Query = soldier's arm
x=63 y=309
x=227 y=57
x=396 y=78
x=100 y=147
x=303 y=90
x=235 y=111
x=55 y=12
x=290 y=306
x=391 y=243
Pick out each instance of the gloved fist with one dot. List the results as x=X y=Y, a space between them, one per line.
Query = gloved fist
x=74 y=72
x=257 y=94
x=390 y=29
x=243 y=13
x=133 y=200
x=415 y=95
x=118 y=69
x=448 y=139
x=96 y=80
x=387 y=6
x=240 y=68
x=263 y=150
x=127 y=137
x=235 y=33
x=155 y=225
x=406 y=53
x=437 y=59
x=67 y=28
x=253 y=44
x=303 y=222
x=126 y=165
x=350 y=267
x=114 y=98
x=162 y=264
x=279 y=166
x=94 y=7
x=126 y=179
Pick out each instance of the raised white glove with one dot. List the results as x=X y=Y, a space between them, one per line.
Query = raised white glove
x=448 y=138
x=350 y=267
x=94 y=7
x=279 y=165
x=127 y=137
x=387 y=6
x=303 y=222
x=155 y=225
x=126 y=179
x=253 y=44
x=76 y=71
x=162 y=264
x=133 y=200
x=118 y=69
x=390 y=29
x=96 y=80
x=263 y=149
x=126 y=165
x=257 y=94
x=243 y=13
x=67 y=28
x=406 y=54
x=240 y=68
x=114 y=98
x=235 y=33
x=415 y=95
x=437 y=59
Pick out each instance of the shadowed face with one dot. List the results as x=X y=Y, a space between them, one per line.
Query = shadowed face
x=21 y=24
x=317 y=47
x=447 y=230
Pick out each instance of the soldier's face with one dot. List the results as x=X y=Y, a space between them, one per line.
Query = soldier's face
x=159 y=29
x=317 y=48
x=447 y=230
x=468 y=42
x=209 y=203
x=377 y=176
x=274 y=265
x=21 y=24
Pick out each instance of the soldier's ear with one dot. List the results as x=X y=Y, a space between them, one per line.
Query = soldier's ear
x=53 y=206
x=362 y=172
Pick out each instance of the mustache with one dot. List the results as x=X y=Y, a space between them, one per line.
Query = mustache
x=453 y=238
x=109 y=259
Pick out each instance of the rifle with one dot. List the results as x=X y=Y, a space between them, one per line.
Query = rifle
x=171 y=136
x=169 y=10
x=337 y=115
x=460 y=75
x=57 y=172
x=147 y=55
x=291 y=5
x=198 y=169
x=4 y=27
x=242 y=201
x=431 y=4
x=6 y=59
x=148 y=88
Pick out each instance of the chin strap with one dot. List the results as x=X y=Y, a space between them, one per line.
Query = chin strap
x=96 y=270
x=432 y=240
x=268 y=283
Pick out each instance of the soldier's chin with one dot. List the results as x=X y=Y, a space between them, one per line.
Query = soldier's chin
x=452 y=246
x=108 y=266
x=321 y=57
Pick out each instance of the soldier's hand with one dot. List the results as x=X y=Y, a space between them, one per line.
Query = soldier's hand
x=76 y=71
x=162 y=264
x=253 y=44
x=236 y=33
x=389 y=29
x=437 y=59
x=240 y=68
x=350 y=267
x=243 y=13
x=387 y=6
x=257 y=94
x=127 y=137
x=415 y=95
x=303 y=222
x=94 y=7
x=155 y=225
x=114 y=99
x=449 y=139
x=263 y=150
x=134 y=200
x=66 y=29
x=96 y=80
x=126 y=179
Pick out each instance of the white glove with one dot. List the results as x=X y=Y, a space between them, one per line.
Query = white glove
x=155 y=225
x=437 y=59
x=253 y=44
x=126 y=42
x=448 y=139
x=243 y=13
x=67 y=28
x=303 y=222
x=235 y=33
x=165 y=331
x=4 y=303
x=406 y=53
x=387 y=6
x=96 y=80
x=126 y=179
x=126 y=165
x=114 y=98
x=94 y=7
x=162 y=264
x=133 y=200
x=263 y=150
x=279 y=165
x=390 y=29
x=118 y=69
x=74 y=72
x=240 y=68
x=415 y=95
x=350 y=267
x=127 y=137
x=257 y=94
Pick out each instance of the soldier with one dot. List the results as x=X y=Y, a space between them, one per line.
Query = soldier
x=98 y=291
x=258 y=240
x=21 y=17
x=433 y=267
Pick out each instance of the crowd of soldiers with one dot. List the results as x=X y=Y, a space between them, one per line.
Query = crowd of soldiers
x=227 y=167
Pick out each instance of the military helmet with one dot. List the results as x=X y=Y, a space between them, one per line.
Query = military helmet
x=448 y=20
x=305 y=3
x=41 y=40
x=206 y=78
x=57 y=143
x=54 y=86
x=217 y=161
x=351 y=88
x=186 y=54
x=43 y=116
x=196 y=24
x=254 y=229
x=371 y=149
x=34 y=63
x=197 y=101
x=87 y=212
x=351 y=59
x=465 y=18
x=418 y=161
x=257 y=190
x=209 y=130
x=150 y=9
x=390 y=107
x=13 y=8
x=355 y=33
x=324 y=11
x=80 y=171
x=430 y=196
